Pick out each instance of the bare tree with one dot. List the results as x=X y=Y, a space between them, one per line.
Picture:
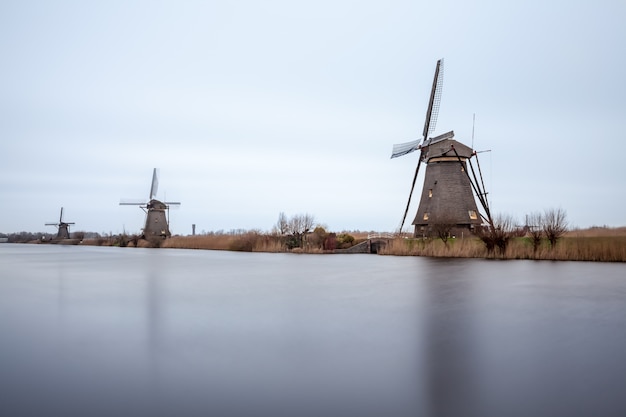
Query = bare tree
x=442 y=228
x=534 y=226
x=295 y=225
x=282 y=225
x=498 y=234
x=308 y=221
x=302 y=225
x=295 y=229
x=554 y=225
x=505 y=229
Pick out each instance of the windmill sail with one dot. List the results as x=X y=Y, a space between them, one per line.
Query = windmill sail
x=429 y=127
x=155 y=184
x=431 y=116
x=405 y=148
x=434 y=102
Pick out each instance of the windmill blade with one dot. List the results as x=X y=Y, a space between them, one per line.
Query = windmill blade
x=410 y=195
x=131 y=202
x=61 y=216
x=51 y=224
x=405 y=148
x=155 y=184
x=433 y=103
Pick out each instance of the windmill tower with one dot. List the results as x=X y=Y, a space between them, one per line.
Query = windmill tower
x=63 y=227
x=157 y=212
x=448 y=192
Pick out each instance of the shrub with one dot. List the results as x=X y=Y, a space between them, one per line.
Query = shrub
x=498 y=234
x=344 y=241
x=554 y=225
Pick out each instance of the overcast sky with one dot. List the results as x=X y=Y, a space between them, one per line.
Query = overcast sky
x=252 y=108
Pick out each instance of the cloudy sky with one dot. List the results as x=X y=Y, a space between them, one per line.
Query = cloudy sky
x=252 y=108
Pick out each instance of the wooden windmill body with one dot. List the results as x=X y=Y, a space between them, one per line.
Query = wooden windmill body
x=63 y=228
x=450 y=182
x=157 y=212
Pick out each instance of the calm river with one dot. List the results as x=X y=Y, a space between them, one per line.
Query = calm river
x=89 y=331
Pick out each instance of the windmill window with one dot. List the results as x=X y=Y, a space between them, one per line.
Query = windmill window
x=430 y=193
x=425 y=216
x=473 y=215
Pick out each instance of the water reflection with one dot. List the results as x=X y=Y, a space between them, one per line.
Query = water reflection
x=526 y=339
x=447 y=336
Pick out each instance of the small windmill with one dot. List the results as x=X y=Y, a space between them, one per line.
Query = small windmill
x=447 y=195
x=157 y=212
x=63 y=227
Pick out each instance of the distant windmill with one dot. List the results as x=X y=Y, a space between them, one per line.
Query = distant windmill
x=447 y=193
x=63 y=227
x=157 y=220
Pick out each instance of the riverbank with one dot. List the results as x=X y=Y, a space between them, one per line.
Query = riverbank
x=570 y=248
x=600 y=244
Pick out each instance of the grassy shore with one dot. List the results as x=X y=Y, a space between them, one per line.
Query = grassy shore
x=601 y=244
x=247 y=242
x=596 y=244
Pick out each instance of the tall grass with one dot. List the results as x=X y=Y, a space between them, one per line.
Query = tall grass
x=216 y=242
x=604 y=249
x=455 y=248
x=246 y=242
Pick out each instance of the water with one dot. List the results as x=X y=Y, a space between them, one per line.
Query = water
x=132 y=332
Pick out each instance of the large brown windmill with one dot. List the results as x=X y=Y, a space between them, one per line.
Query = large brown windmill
x=157 y=212
x=449 y=188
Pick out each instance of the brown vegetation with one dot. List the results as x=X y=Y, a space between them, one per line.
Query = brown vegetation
x=581 y=245
x=597 y=231
x=497 y=235
x=248 y=241
x=318 y=241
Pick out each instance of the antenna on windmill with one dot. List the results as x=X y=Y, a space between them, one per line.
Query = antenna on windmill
x=473 y=124
x=429 y=126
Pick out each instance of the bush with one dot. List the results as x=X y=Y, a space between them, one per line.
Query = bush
x=498 y=234
x=554 y=225
x=344 y=241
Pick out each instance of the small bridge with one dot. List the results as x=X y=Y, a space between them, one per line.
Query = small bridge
x=380 y=236
x=374 y=243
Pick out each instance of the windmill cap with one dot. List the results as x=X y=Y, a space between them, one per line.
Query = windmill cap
x=449 y=148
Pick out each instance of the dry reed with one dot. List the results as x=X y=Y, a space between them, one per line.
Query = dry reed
x=603 y=249
x=245 y=242
x=215 y=242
